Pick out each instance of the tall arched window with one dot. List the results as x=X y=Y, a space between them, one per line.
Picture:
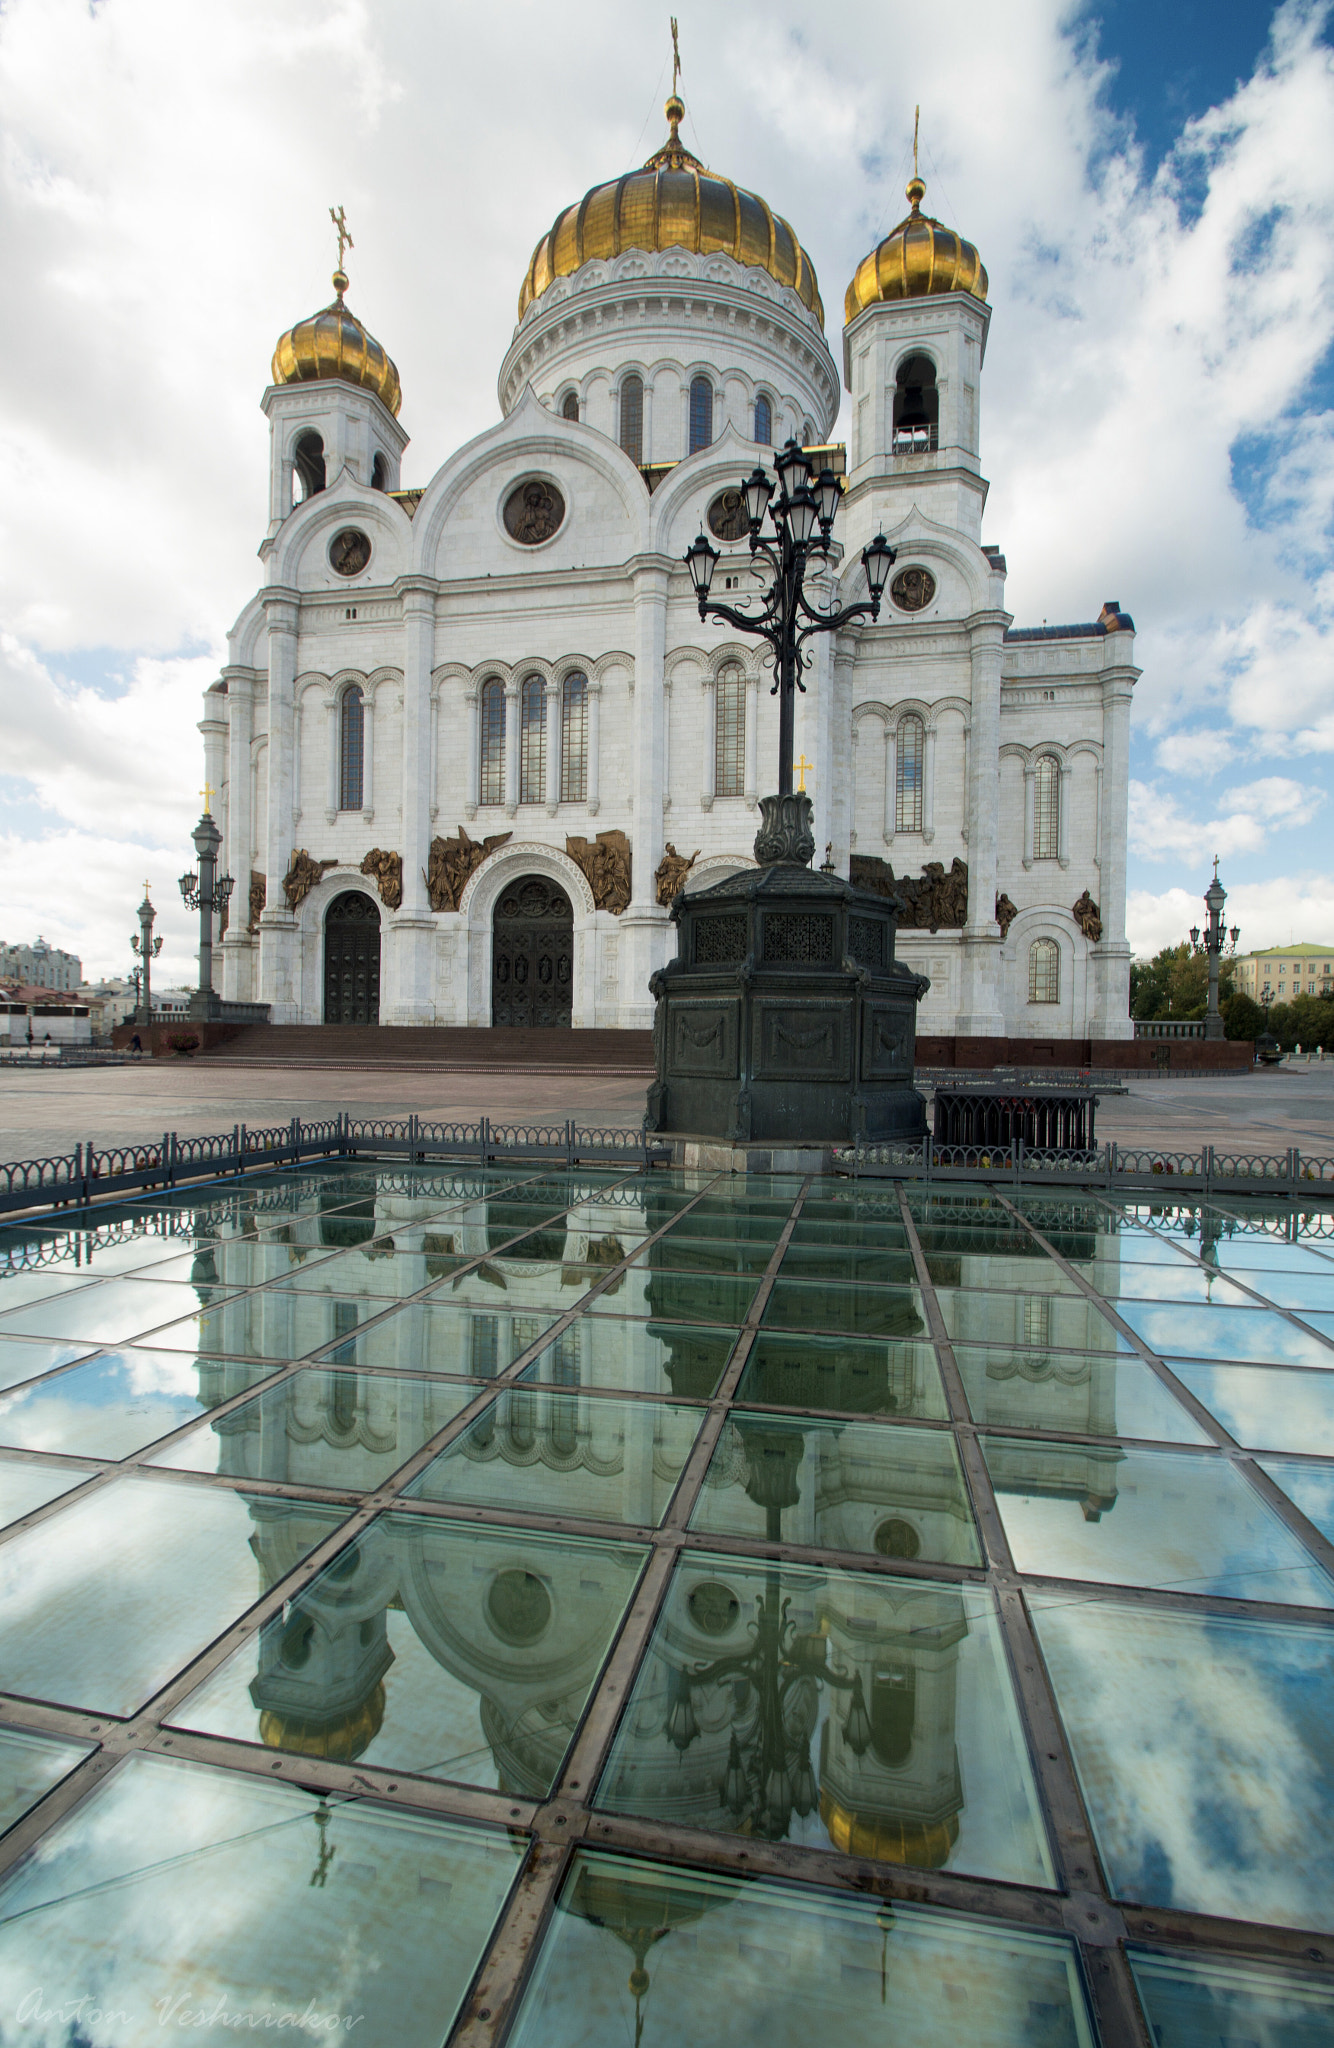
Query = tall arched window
x=729 y=758
x=1047 y=809
x=533 y=741
x=807 y=434
x=351 y=748
x=916 y=407
x=764 y=421
x=492 y=779
x=570 y=406
x=574 y=739
x=632 y=418
x=701 y=414
x=1044 y=971
x=908 y=774
x=308 y=466
x=379 y=474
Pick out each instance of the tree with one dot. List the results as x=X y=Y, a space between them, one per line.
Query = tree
x=1175 y=983
x=1242 y=1018
x=1306 y=1021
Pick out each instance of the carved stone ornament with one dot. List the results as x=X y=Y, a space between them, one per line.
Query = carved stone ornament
x=1006 y=912
x=913 y=589
x=533 y=512
x=302 y=875
x=932 y=901
x=259 y=890
x=387 y=869
x=1088 y=917
x=606 y=863
x=349 y=551
x=670 y=873
x=453 y=862
x=727 y=516
x=785 y=832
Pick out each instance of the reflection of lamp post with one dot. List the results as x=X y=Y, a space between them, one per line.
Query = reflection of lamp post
x=768 y=1775
x=1213 y=940
x=147 y=948
x=206 y=892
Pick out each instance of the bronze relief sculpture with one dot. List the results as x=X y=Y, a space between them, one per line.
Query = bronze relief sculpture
x=259 y=889
x=387 y=869
x=1006 y=912
x=453 y=862
x=670 y=873
x=931 y=901
x=606 y=865
x=1088 y=917
x=302 y=875
x=533 y=512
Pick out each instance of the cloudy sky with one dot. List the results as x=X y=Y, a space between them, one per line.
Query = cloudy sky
x=1152 y=189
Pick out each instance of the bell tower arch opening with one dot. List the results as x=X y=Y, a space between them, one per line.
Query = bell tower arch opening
x=916 y=407
x=352 y=960
x=532 y=955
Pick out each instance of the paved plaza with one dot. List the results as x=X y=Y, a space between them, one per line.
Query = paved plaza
x=47 y=1111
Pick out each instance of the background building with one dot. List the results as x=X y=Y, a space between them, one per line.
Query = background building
x=1281 y=972
x=40 y=966
x=472 y=738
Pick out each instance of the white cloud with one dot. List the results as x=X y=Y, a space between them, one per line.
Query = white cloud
x=1161 y=830
x=164 y=179
x=1281 y=911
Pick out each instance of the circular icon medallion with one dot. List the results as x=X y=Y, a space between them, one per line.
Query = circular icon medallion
x=533 y=512
x=913 y=589
x=349 y=551
x=727 y=516
x=713 y=1608
x=519 y=1606
x=896 y=1538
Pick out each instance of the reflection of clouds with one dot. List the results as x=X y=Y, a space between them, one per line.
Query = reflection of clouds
x=1266 y=1407
x=1311 y=1486
x=1242 y=1333
x=1203 y=1749
x=173 y=1881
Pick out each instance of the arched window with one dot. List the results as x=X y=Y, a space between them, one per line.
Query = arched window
x=764 y=421
x=308 y=466
x=379 y=474
x=908 y=774
x=1047 y=809
x=729 y=769
x=701 y=414
x=574 y=739
x=492 y=780
x=632 y=418
x=807 y=434
x=533 y=741
x=1044 y=971
x=351 y=748
x=916 y=407
x=569 y=409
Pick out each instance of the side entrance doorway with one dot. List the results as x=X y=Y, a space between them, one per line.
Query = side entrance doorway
x=352 y=960
x=532 y=954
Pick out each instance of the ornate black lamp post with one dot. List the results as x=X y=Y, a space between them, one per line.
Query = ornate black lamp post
x=785 y=1018
x=1214 y=940
x=206 y=892
x=786 y=619
x=147 y=948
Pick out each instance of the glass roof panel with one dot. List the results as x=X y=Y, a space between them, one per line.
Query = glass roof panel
x=855 y=1376
x=683 y=1359
x=1104 y=1395
x=1208 y=2002
x=1266 y=1407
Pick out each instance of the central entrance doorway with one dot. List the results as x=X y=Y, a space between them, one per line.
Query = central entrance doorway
x=352 y=960
x=532 y=954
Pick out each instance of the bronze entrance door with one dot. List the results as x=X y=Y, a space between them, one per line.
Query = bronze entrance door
x=532 y=954
x=352 y=960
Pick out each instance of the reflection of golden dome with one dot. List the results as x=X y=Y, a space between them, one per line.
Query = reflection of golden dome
x=924 y=1845
x=917 y=258
x=673 y=203
x=333 y=343
x=342 y=1741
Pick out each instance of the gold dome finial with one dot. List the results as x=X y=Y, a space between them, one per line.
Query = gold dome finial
x=918 y=258
x=345 y=241
x=915 y=190
x=333 y=342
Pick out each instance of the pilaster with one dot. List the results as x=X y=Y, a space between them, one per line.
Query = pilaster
x=980 y=1012
x=279 y=943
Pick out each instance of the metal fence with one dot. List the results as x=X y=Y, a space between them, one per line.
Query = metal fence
x=92 y=1171
x=1126 y=1169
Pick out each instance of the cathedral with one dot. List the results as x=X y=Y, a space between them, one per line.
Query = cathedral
x=472 y=738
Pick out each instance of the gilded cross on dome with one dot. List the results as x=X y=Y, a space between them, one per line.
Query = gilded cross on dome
x=345 y=241
x=676 y=57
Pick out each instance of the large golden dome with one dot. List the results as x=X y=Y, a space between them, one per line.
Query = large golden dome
x=917 y=258
x=333 y=343
x=673 y=203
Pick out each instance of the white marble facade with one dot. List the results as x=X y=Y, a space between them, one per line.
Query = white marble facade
x=1023 y=737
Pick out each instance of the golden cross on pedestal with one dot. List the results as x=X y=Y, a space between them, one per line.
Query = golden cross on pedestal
x=345 y=241
x=676 y=57
x=208 y=793
x=803 y=768
x=147 y=886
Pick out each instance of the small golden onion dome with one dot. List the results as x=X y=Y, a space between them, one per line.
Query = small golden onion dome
x=342 y=1741
x=917 y=258
x=333 y=343
x=672 y=203
x=880 y=1838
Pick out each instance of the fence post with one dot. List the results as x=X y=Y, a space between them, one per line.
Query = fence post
x=485 y=1138
x=1208 y=1169
x=1018 y=1159
x=295 y=1141
x=166 y=1159
x=1111 y=1164
x=569 y=1142
x=1296 y=1168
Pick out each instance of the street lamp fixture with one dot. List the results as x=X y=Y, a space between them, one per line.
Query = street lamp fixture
x=207 y=892
x=147 y=948
x=1213 y=941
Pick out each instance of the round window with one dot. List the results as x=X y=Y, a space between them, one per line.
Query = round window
x=533 y=512
x=713 y=1608
x=913 y=589
x=727 y=516
x=896 y=1538
x=349 y=551
x=519 y=1606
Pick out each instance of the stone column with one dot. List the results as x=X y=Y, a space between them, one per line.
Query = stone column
x=666 y=748
x=239 y=945
x=333 y=763
x=1111 y=957
x=368 y=758
x=553 y=746
x=841 y=772
x=279 y=942
x=435 y=753
x=891 y=783
x=709 y=762
x=645 y=935
x=752 y=740
x=1030 y=779
x=929 y=785
x=474 y=726
x=594 y=744
x=512 y=725
x=980 y=1014
x=410 y=930
x=1063 y=818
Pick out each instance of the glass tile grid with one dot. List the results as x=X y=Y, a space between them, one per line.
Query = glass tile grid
x=462 y=1658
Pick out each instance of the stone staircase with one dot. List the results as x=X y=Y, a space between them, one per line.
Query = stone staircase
x=443 y=1048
